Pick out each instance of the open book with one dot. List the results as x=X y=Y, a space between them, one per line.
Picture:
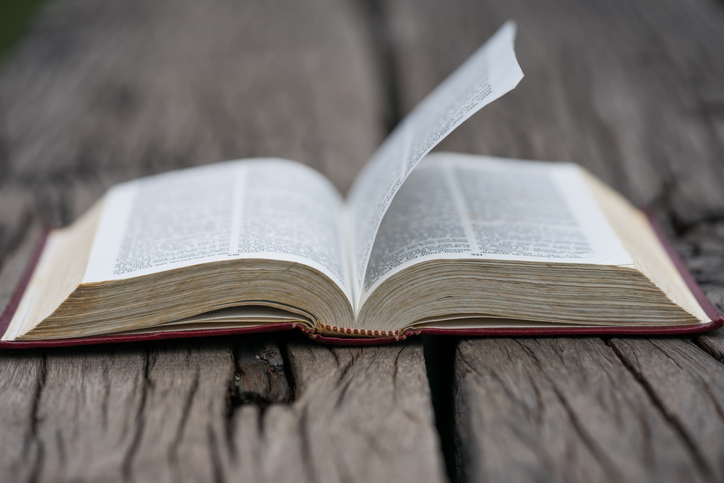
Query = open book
x=459 y=244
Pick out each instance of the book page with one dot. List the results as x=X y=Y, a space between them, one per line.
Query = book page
x=475 y=207
x=488 y=74
x=269 y=208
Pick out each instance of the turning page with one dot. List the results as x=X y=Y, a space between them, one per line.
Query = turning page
x=488 y=74
x=267 y=208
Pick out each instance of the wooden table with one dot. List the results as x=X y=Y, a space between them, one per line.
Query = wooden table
x=105 y=91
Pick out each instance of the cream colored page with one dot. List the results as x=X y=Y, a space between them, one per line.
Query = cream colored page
x=265 y=208
x=488 y=74
x=475 y=207
x=33 y=299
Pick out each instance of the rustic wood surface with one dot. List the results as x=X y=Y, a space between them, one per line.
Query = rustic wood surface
x=633 y=91
x=102 y=92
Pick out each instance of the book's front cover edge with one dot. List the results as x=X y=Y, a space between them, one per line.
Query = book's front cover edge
x=14 y=301
x=698 y=293
x=716 y=319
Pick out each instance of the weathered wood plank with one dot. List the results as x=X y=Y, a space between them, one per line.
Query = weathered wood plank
x=183 y=421
x=560 y=409
x=21 y=378
x=688 y=385
x=366 y=401
x=86 y=413
x=630 y=90
x=158 y=412
x=137 y=88
x=360 y=414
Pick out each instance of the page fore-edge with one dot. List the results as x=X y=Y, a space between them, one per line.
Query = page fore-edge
x=14 y=302
x=716 y=319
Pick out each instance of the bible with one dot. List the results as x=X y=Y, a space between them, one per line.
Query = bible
x=437 y=243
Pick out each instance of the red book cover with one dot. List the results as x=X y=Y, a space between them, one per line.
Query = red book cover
x=715 y=322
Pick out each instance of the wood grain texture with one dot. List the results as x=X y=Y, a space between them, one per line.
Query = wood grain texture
x=104 y=92
x=369 y=397
x=189 y=411
x=21 y=378
x=631 y=90
x=560 y=409
x=359 y=414
x=86 y=410
x=688 y=384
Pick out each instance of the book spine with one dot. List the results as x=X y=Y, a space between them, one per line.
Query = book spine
x=333 y=330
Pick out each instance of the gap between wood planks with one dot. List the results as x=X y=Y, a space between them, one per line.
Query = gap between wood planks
x=440 y=359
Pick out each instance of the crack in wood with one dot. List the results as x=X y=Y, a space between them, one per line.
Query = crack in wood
x=289 y=373
x=714 y=402
x=185 y=412
x=32 y=435
x=397 y=366
x=439 y=356
x=39 y=385
x=262 y=376
x=231 y=404
x=671 y=419
x=338 y=403
x=306 y=445
x=106 y=396
x=705 y=346
x=217 y=473
x=139 y=423
x=590 y=441
x=60 y=444
x=344 y=370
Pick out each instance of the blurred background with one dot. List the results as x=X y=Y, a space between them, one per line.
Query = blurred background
x=93 y=93
x=15 y=15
